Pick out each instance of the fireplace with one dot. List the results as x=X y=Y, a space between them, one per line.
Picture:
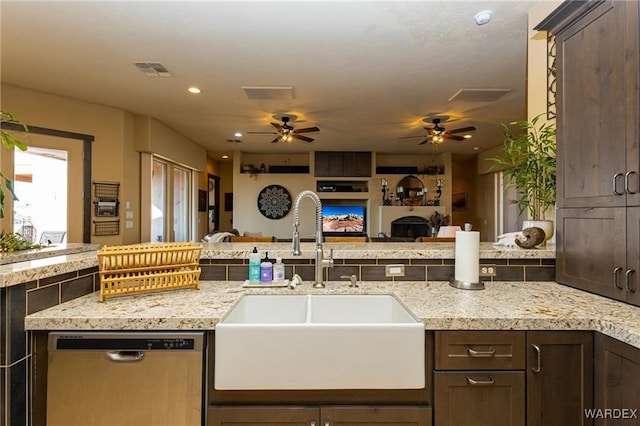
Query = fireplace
x=410 y=226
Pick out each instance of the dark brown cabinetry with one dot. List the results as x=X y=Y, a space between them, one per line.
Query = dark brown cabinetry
x=479 y=398
x=598 y=130
x=342 y=164
x=617 y=378
x=482 y=378
x=559 y=377
x=485 y=393
x=314 y=416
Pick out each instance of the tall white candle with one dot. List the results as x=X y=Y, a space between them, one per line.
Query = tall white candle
x=468 y=256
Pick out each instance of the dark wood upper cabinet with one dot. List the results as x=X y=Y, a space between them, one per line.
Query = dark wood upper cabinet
x=342 y=164
x=617 y=378
x=559 y=377
x=597 y=102
x=598 y=131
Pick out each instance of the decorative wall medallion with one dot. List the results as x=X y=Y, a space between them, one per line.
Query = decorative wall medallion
x=274 y=202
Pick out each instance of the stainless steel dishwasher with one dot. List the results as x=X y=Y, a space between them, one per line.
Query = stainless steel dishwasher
x=125 y=379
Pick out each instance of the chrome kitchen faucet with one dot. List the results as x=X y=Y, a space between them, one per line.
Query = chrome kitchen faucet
x=320 y=260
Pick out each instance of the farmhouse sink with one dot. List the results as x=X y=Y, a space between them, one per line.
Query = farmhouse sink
x=319 y=342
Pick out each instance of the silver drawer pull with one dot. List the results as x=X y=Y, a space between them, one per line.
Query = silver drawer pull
x=615 y=278
x=627 y=280
x=473 y=381
x=615 y=183
x=626 y=182
x=538 y=366
x=473 y=352
x=125 y=356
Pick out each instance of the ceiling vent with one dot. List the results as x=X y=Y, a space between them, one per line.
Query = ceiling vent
x=234 y=140
x=478 y=95
x=153 y=69
x=262 y=93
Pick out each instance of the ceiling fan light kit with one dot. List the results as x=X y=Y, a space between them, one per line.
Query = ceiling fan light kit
x=286 y=133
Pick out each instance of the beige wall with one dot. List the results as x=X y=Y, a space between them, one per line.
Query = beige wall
x=115 y=157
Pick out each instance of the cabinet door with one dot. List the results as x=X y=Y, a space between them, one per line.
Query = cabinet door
x=590 y=247
x=632 y=271
x=321 y=164
x=592 y=97
x=375 y=415
x=559 y=377
x=262 y=416
x=632 y=49
x=617 y=383
x=357 y=164
x=479 y=398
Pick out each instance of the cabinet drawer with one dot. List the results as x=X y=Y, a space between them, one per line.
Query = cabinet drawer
x=495 y=398
x=480 y=350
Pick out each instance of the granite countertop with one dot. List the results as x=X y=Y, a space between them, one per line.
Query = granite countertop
x=63 y=259
x=373 y=250
x=501 y=306
x=46 y=251
x=72 y=257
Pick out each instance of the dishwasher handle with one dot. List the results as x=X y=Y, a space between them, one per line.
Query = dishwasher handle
x=125 y=356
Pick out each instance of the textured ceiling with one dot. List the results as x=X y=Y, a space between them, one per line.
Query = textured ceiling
x=366 y=73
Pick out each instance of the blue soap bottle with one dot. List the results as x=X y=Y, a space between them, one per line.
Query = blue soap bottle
x=254 y=266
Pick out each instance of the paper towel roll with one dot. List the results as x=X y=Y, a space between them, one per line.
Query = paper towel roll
x=468 y=256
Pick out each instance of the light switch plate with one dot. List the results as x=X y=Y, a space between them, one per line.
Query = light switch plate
x=394 y=270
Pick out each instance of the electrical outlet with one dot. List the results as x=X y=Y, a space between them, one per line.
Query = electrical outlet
x=394 y=270
x=487 y=270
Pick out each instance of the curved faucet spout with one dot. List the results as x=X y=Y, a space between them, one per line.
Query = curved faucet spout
x=321 y=262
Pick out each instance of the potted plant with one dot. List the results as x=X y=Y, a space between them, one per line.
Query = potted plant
x=9 y=142
x=529 y=163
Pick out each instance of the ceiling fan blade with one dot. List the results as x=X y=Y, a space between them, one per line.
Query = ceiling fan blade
x=303 y=138
x=261 y=133
x=276 y=140
x=410 y=137
x=307 y=130
x=430 y=131
x=277 y=126
x=462 y=130
x=423 y=142
x=454 y=137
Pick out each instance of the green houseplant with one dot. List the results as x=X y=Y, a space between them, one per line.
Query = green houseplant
x=10 y=242
x=9 y=142
x=528 y=160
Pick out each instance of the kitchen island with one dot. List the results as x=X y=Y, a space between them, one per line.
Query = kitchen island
x=517 y=308
x=501 y=306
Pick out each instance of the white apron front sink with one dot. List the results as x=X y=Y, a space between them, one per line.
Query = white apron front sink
x=319 y=342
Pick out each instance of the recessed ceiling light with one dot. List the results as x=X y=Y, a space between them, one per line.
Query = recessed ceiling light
x=194 y=90
x=225 y=156
x=467 y=136
x=483 y=17
x=476 y=148
x=237 y=134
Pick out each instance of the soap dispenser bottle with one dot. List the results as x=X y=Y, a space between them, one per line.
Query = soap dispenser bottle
x=266 y=270
x=254 y=266
x=278 y=270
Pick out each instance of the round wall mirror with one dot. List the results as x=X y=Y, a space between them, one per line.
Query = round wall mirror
x=411 y=190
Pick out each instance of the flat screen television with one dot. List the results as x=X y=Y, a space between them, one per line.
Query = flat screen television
x=343 y=220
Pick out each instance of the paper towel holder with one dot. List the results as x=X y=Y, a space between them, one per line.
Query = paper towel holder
x=466 y=285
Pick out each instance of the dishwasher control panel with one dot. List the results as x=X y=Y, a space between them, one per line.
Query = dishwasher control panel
x=124 y=341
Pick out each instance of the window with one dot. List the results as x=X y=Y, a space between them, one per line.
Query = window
x=40 y=182
x=171 y=202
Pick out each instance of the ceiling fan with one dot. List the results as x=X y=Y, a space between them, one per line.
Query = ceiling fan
x=436 y=134
x=286 y=132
